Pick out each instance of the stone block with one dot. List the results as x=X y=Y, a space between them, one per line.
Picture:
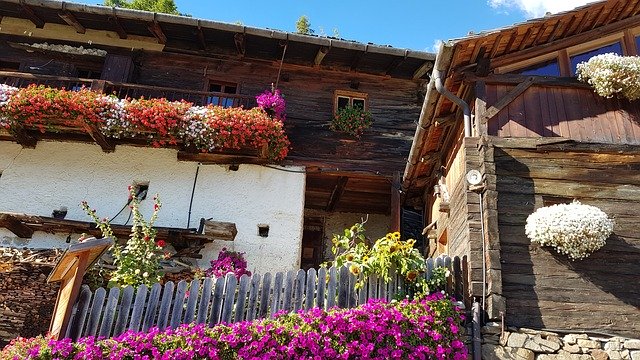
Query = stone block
x=540 y=345
x=632 y=344
x=573 y=349
x=635 y=355
x=598 y=354
x=613 y=345
x=589 y=344
x=614 y=354
x=493 y=352
x=496 y=306
x=517 y=340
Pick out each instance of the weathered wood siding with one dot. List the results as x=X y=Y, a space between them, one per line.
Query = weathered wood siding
x=383 y=149
x=543 y=288
x=573 y=113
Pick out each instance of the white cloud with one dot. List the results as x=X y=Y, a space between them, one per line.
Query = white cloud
x=537 y=8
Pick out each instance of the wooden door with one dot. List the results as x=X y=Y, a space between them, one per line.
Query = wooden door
x=312 y=243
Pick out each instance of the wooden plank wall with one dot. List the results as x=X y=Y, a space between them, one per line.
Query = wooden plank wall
x=394 y=103
x=544 y=289
x=227 y=300
x=573 y=113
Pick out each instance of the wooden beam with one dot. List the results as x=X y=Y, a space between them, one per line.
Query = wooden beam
x=219 y=230
x=31 y=15
x=201 y=38
x=156 y=30
x=395 y=203
x=565 y=43
x=118 y=27
x=240 y=41
x=337 y=192
x=394 y=65
x=68 y=17
x=16 y=226
x=322 y=52
x=481 y=108
x=97 y=136
x=512 y=79
x=222 y=158
x=23 y=138
x=423 y=69
x=506 y=100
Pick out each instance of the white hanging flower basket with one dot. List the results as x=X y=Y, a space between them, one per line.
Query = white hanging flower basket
x=612 y=75
x=575 y=230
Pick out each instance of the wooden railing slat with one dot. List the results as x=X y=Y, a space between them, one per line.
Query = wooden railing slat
x=332 y=287
x=203 y=307
x=123 y=311
x=178 y=304
x=299 y=290
x=240 y=311
x=322 y=287
x=372 y=285
x=253 y=297
x=152 y=307
x=76 y=324
x=288 y=291
x=138 y=308
x=165 y=305
x=109 y=312
x=96 y=310
x=310 y=293
x=216 y=306
x=276 y=300
x=231 y=284
x=192 y=301
x=264 y=296
x=343 y=284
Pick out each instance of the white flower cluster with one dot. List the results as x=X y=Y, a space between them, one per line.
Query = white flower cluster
x=612 y=75
x=5 y=93
x=116 y=124
x=575 y=230
x=196 y=131
x=79 y=50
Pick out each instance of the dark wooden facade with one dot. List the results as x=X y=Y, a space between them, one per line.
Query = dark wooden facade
x=537 y=141
x=179 y=58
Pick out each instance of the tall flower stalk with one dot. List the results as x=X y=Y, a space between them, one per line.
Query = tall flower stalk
x=138 y=261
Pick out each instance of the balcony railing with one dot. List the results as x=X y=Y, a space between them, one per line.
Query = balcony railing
x=126 y=90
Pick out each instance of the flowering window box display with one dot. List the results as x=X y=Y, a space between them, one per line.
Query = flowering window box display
x=204 y=129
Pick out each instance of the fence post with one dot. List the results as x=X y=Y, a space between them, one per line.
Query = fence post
x=69 y=271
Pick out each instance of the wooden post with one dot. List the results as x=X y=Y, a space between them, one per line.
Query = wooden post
x=395 y=203
x=69 y=271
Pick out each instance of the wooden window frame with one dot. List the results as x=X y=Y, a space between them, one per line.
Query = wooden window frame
x=626 y=39
x=351 y=95
x=211 y=81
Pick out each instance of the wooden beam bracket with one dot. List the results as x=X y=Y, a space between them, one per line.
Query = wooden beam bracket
x=322 y=52
x=240 y=41
x=72 y=21
x=423 y=69
x=506 y=100
x=122 y=33
x=156 y=30
x=13 y=224
x=337 y=192
x=32 y=16
x=99 y=138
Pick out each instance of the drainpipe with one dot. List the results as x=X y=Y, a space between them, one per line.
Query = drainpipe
x=466 y=111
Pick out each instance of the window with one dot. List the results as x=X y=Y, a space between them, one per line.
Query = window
x=88 y=74
x=547 y=68
x=345 y=99
x=222 y=88
x=585 y=56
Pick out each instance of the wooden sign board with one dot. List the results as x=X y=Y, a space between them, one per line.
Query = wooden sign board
x=69 y=270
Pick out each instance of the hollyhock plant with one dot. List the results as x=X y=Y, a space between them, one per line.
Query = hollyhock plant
x=273 y=103
x=425 y=329
x=161 y=122
x=228 y=262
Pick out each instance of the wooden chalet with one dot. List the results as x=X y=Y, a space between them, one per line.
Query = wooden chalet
x=537 y=137
x=143 y=54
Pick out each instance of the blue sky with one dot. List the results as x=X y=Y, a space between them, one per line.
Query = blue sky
x=413 y=24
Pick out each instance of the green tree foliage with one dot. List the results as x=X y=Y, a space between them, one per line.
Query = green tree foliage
x=303 y=26
x=160 y=6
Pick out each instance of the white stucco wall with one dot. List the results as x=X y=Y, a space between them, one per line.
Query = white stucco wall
x=56 y=174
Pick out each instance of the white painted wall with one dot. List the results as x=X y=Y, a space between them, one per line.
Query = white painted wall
x=56 y=174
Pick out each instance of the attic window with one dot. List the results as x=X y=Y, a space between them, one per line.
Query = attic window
x=221 y=87
x=615 y=48
x=343 y=99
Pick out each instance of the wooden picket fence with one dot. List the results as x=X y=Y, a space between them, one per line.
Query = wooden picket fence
x=227 y=300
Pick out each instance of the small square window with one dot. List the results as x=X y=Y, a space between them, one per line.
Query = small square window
x=224 y=88
x=343 y=99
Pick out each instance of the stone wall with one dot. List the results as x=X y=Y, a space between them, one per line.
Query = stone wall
x=26 y=300
x=527 y=344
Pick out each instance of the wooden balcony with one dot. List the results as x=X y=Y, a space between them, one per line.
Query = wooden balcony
x=126 y=90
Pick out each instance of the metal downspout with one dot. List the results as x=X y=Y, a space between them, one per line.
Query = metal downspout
x=466 y=111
